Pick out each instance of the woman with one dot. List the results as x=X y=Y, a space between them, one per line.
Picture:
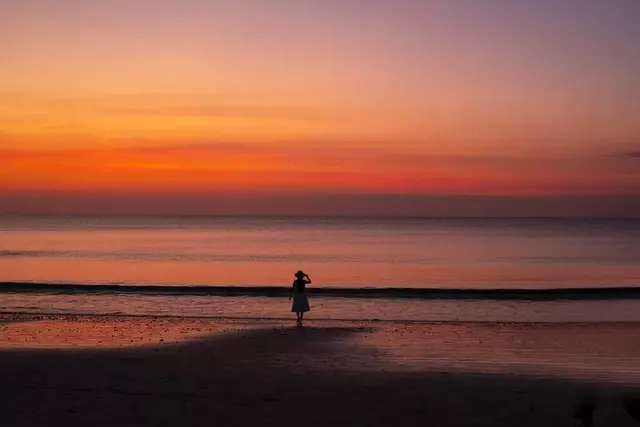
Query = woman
x=299 y=294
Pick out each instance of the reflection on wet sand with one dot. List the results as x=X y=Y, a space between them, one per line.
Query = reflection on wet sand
x=607 y=352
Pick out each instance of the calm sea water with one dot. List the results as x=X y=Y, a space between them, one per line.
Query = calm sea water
x=449 y=253
x=444 y=253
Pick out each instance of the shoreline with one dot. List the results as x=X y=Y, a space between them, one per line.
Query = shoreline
x=313 y=319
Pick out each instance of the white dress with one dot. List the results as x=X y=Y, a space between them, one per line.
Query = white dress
x=300 y=302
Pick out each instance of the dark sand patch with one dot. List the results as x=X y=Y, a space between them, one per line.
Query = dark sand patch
x=231 y=373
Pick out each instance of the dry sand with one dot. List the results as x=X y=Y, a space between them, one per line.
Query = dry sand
x=124 y=371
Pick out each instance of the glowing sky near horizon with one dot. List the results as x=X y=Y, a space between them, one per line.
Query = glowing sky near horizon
x=499 y=97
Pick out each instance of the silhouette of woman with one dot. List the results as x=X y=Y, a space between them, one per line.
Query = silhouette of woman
x=299 y=295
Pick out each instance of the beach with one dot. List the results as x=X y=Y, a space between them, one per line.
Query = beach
x=185 y=321
x=320 y=213
x=168 y=371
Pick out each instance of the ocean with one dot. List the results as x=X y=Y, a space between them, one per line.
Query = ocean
x=337 y=253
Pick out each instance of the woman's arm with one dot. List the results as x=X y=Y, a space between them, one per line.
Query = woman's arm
x=292 y=288
x=308 y=278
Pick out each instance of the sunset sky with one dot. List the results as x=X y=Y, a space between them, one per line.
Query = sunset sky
x=119 y=106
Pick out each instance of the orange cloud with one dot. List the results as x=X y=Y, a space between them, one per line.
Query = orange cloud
x=232 y=168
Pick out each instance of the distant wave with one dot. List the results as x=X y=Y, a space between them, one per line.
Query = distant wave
x=422 y=293
x=273 y=257
x=163 y=256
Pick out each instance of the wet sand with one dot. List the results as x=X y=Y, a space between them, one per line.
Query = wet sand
x=110 y=370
